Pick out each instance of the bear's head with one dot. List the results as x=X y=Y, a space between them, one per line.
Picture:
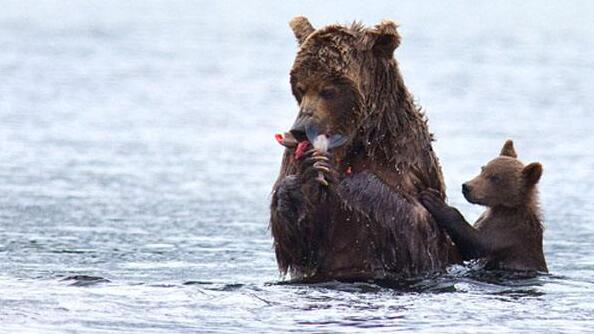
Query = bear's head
x=504 y=181
x=339 y=76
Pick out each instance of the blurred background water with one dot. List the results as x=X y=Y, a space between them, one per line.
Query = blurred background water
x=137 y=157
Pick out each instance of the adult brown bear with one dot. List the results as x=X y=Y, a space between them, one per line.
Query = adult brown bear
x=352 y=213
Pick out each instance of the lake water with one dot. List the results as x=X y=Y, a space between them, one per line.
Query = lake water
x=137 y=157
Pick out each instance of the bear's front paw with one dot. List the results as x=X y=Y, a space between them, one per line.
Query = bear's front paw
x=288 y=199
x=443 y=214
x=318 y=167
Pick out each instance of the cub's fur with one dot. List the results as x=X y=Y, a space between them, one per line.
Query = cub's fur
x=508 y=235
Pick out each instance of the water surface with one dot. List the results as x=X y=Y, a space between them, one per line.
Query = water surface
x=137 y=157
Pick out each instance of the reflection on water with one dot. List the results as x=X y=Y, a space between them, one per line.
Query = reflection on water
x=137 y=158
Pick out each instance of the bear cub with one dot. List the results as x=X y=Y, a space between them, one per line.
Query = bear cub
x=508 y=235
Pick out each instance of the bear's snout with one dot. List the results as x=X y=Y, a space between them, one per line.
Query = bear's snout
x=466 y=189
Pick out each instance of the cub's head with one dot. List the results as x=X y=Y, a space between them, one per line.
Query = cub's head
x=504 y=181
x=330 y=78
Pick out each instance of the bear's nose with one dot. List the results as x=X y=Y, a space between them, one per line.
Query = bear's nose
x=465 y=189
x=299 y=127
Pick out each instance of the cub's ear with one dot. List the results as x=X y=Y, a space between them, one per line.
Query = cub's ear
x=301 y=28
x=508 y=149
x=532 y=173
x=383 y=39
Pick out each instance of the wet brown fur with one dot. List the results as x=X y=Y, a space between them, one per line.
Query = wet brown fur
x=369 y=225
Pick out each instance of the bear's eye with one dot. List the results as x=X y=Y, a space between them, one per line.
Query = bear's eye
x=329 y=92
x=300 y=90
x=494 y=178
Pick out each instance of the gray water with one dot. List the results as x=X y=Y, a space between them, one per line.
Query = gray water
x=137 y=157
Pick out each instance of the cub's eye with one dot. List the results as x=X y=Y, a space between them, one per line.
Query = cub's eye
x=300 y=90
x=494 y=178
x=329 y=92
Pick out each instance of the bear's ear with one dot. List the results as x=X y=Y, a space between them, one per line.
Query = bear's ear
x=532 y=173
x=301 y=28
x=508 y=149
x=383 y=39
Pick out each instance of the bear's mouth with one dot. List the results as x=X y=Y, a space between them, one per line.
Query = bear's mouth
x=471 y=199
x=303 y=130
x=301 y=141
x=467 y=196
x=299 y=134
x=289 y=141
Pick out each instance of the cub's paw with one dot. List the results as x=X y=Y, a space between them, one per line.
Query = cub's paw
x=442 y=213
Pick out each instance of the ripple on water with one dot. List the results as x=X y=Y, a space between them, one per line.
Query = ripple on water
x=84 y=280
